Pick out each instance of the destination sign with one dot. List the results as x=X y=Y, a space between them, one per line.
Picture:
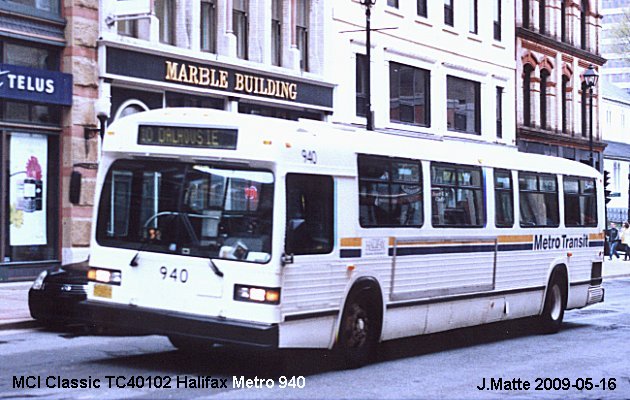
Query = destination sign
x=184 y=136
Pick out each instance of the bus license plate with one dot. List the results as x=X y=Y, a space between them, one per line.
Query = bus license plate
x=103 y=291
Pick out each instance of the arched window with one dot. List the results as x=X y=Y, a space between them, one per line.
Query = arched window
x=544 y=77
x=528 y=70
x=130 y=107
x=583 y=25
x=565 y=103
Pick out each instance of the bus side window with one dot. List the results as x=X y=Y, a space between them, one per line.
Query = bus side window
x=503 y=199
x=309 y=223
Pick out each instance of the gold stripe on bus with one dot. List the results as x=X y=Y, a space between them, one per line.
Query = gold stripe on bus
x=596 y=236
x=442 y=242
x=350 y=242
x=516 y=238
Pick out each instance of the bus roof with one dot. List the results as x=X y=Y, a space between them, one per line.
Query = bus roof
x=274 y=139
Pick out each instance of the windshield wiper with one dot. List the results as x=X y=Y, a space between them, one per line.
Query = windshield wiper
x=215 y=269
x=134 y=260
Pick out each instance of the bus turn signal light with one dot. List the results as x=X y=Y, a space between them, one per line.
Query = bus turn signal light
x=256 y=294
x=104 y=276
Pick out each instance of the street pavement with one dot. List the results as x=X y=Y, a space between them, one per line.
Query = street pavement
x=14 y=313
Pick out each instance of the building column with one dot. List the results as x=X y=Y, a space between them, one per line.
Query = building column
x=79 y=59
x=226 y=40
x=259 y=30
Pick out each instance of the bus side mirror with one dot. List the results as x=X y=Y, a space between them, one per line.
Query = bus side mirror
x=75 y=187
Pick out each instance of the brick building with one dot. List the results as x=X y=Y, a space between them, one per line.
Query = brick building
x=556 y=41
x=47 y=64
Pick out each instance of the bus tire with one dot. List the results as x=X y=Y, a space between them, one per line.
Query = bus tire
x=555 y=303
x=190 y=345
x=359 y=330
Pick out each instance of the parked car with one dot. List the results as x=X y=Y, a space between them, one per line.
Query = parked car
x=54 y=295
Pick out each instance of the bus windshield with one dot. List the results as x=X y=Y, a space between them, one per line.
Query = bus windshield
x=189 y=209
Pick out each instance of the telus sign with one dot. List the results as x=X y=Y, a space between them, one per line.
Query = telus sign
x=38 y=85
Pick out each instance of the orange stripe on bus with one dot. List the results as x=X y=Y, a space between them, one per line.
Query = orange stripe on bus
x=443 y=242
x=596 y=236
x=350 y=242
x=516 y=238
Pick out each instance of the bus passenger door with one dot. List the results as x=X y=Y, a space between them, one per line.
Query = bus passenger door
x=309 y=242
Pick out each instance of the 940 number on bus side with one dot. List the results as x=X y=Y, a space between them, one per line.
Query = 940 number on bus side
x=309 y=156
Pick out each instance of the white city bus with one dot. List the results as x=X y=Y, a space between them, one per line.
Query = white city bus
x=216 y=227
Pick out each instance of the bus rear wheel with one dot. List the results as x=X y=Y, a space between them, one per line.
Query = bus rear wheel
x=358 y=332
x=555 y=303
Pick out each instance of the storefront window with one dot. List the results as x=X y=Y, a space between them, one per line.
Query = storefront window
x=18 y=111
x=187 y=100
x=30 y=200
x=28 y=56
x=275 y=112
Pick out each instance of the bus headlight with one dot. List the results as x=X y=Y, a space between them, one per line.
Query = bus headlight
x=104 y=276
x=257 y=294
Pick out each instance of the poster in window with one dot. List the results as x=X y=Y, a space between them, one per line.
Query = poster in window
x=27 y=189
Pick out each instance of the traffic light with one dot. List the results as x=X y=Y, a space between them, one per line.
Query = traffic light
x=606 y=184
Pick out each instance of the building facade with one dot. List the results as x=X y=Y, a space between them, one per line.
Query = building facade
x=36 y=103
x=444 y=69
x=616 y=131
x=556 y=41
x=615 y=48
x=292 y=59
x=266 y=57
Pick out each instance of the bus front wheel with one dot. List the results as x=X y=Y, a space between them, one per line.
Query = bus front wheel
x=555 y=304
x=358 y=332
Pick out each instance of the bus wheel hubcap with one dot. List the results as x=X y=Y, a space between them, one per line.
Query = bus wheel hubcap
x=358 y=327
x=556 y=302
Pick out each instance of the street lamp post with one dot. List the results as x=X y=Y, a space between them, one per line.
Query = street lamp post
x=368 y=47
x=590 y=80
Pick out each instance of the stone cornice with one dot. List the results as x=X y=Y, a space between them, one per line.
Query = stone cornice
x=561 y=47
x=552 y=137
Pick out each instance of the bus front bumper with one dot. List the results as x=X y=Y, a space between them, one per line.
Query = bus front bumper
x=139 y=320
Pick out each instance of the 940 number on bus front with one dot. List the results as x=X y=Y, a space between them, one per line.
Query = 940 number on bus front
x=176 y=274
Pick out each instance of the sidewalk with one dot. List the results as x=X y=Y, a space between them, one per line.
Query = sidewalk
x=14 y=313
